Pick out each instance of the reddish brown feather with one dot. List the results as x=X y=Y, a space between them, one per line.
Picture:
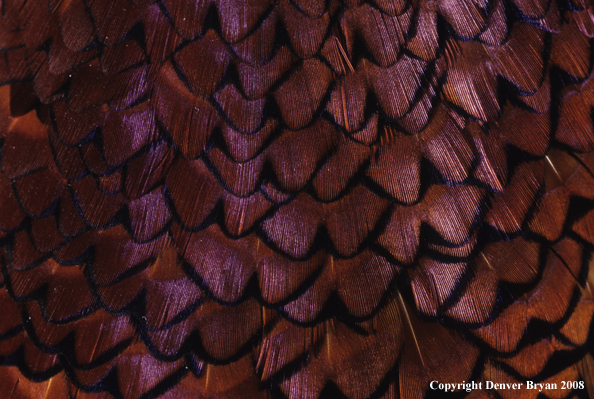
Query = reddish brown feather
x=446 y=147
x=211 y=256
x=70 y=221
x=471 y=83
x=61 y=284
x=296 y=23
x=350 y=220
x=279 y=277
x=546 y=302
x=256 y=78
x=11 y=214
x=244 y=115
x=147 y=170
x=160 y=35
x=96 y=208
x=300 y=96
x=340 y=168
x=584 y=22
x=384 y=35
x=497 y=29
x=239 y=178
x=467 y=18
x=203 y=73
x=75 y=25
x=426 y=348
x=396 y=85
x=149 y=215
x=256 y=49
x=241 y=214
x=291 y=150
x=401 y=236
x=575 y=122
x=117 y=58
x=424 y=44
x=294 y=199
x=533 y=8
x=294 y=235
x=347 y=104
x=112 y=19
x=572 y=42
x=183 y=114
x=205 y=190
x=507 y=215
x=38 y=191
x=401 y=155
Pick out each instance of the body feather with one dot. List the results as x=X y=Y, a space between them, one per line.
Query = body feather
x=295 y=199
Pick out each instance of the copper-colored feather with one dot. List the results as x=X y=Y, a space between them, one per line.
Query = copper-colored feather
x=295 y=199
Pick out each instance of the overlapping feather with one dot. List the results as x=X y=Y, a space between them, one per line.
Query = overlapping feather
x=294 y=199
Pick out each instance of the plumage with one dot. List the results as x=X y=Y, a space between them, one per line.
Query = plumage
x=295 y=199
